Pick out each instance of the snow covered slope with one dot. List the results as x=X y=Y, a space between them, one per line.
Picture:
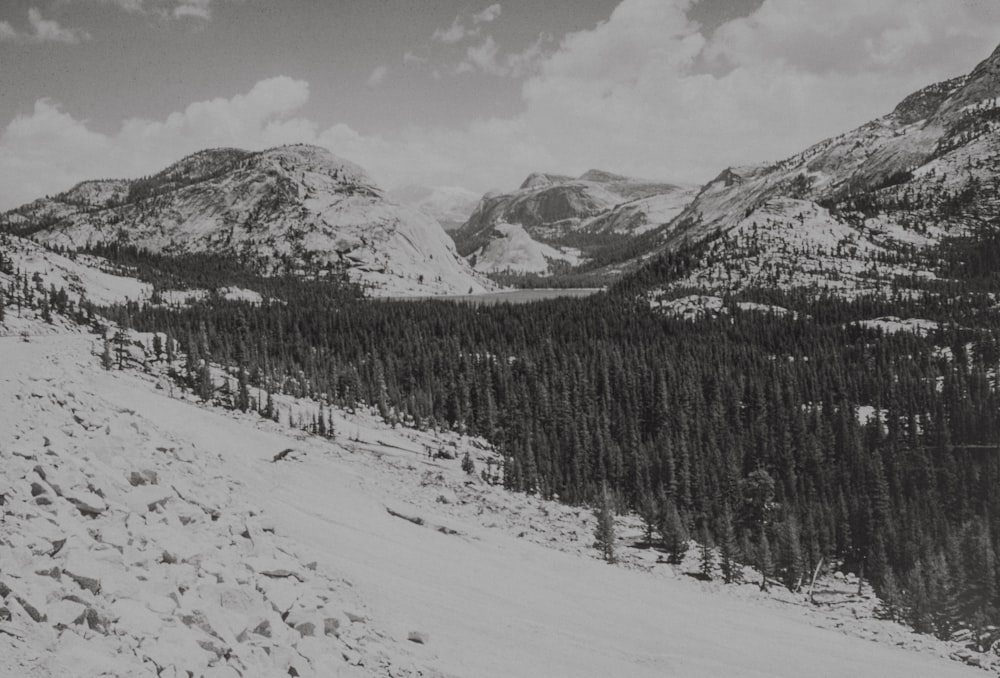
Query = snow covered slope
x=565 y=220
x=293 y=208
x=145 y=535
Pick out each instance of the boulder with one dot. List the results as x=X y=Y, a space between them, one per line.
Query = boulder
x=66 y=612
x=418 y=637
x=280 y=593
x=135 y=618
x=86 y=502
x=331 y=627
x=145 y=498
x=306 y=628
x=85 y=570
x=143 y=477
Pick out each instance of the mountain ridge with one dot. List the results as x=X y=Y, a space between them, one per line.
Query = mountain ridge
x=555 y=222
x=295 y=208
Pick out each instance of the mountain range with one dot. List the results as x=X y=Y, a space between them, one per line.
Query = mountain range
x=288 y=209
x=852 y=214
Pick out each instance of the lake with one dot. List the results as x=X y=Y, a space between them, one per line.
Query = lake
x=512 y=296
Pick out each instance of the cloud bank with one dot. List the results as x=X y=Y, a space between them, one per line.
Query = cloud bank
x=645 y=92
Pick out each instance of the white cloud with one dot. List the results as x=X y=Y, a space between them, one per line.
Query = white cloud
x=409 y=57
x=176 y=9
x=485 y=57
x=644 y=92
x=487 y=15
x=197 y=9
x=48 y=150
x=377 y=77
x=454 y=33
x=459 y=31
x=7 y=32
x=40 y=30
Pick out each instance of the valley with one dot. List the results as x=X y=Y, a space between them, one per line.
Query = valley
x=264 y=415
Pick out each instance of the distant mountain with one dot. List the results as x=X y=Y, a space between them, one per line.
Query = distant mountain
x=450 y=206
x=857 y=213
x=293 y=208
x=554 y=223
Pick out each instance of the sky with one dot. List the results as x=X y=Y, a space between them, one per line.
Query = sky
x=468 y=93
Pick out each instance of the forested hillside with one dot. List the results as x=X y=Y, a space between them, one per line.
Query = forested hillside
x=783 y=438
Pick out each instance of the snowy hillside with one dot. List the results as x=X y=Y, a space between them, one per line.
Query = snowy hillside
x=564 y=221
x=294 y=208
x=147 y=535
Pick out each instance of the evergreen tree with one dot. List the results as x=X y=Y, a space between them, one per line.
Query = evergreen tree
x=707 y=560
x=789 y=560
x=765 y=561
x=732 y=572
x=468 y=465
x=673 y=533
x=604 y=532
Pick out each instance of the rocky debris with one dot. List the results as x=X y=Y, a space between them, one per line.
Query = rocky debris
x=161 y=570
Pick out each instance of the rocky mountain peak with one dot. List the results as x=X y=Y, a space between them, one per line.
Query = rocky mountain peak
x=541 y=180
x=924 y=103
x=602 y=177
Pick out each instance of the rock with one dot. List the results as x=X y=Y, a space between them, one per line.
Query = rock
x=85 y=570
x=331 y=627
x=66 y=612
x=135 y=618
x=144 y=477
x=32 y=608
x=114 y=535
x=355 y=618
x=418 y=637
x=95 y=620
x=53 y=572
x=352 y=657
x=275 y=568
x=306 y=628
x=86 y=502
x=263 y=629
x=146 y=498
x=281 y=593
x=221 y=672
x=4 y=614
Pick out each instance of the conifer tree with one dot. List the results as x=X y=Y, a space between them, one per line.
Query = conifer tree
x=673 y=533
x=765 y=561
x=789 y=554
x=604 y=532
x=707 y=560
x=732 y=573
